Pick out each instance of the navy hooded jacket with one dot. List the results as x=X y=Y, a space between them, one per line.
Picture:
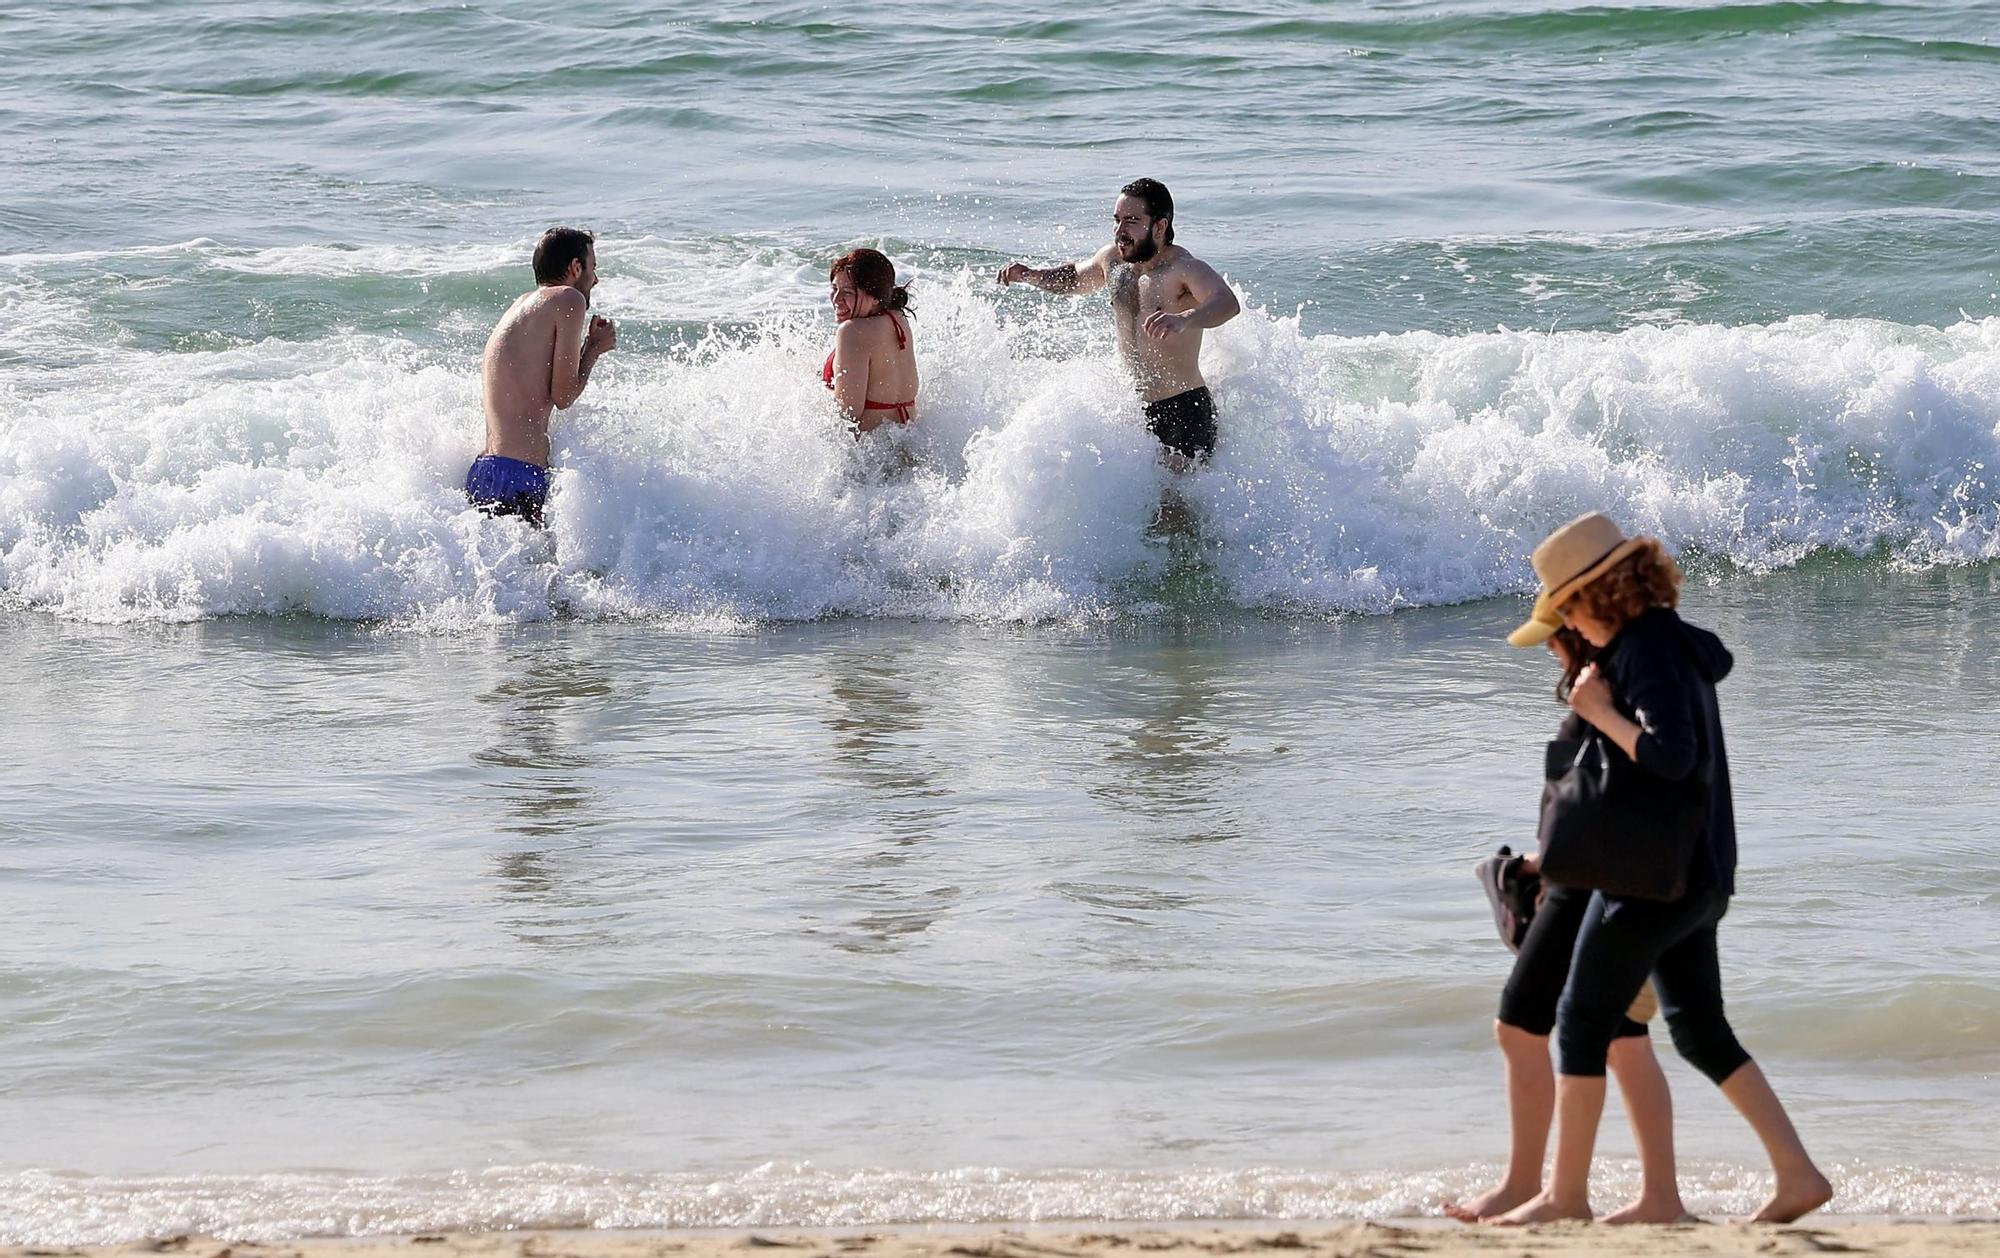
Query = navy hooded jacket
x=1663 y=671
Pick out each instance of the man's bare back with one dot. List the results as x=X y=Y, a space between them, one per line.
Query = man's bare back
x=538 y=359
x=524 y=374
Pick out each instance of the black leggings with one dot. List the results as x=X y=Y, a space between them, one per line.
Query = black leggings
x=1620 y=943
x=1529 y=999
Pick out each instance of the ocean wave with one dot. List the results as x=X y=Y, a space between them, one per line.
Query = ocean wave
x=710 y=478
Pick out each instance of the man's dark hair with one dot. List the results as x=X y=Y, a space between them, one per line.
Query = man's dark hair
x=1159 y=202
x=558 y=247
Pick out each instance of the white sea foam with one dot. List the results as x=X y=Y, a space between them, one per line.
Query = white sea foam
x=45 y=1208
x=318 y=260
x=1354 y=474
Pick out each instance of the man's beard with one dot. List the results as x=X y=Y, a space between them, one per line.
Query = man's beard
x=1142 y=251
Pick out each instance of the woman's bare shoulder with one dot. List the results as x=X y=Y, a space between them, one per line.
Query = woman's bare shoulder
x=872 y=332
x=859 y=334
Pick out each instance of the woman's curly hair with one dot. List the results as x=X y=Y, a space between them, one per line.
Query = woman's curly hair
x=1645 y=579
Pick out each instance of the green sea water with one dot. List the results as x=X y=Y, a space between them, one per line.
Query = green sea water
x=1589 y=166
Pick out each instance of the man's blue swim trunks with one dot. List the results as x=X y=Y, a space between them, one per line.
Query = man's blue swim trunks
x=503 y=486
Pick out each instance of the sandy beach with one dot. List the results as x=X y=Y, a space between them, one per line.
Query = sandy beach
x=1344 y=1240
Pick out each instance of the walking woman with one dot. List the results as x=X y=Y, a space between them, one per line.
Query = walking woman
x=872 y=368
x=1651 y=693
x=1528 y=1014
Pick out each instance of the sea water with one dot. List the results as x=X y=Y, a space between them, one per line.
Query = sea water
x=806 y=830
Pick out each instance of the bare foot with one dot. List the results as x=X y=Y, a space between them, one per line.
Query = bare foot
x=1496 y=1200
x=1795 y=1198
x=1644 y=1210
x=1542 y=1208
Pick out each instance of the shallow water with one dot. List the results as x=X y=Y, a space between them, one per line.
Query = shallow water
x=1174 y=919
x=814 y=831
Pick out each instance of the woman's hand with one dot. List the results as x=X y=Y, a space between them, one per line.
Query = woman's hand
x=1591 y=699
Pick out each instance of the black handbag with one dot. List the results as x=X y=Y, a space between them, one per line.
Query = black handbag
x=1608 y=825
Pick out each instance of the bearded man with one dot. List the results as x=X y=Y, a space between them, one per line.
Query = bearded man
x=1162 y=299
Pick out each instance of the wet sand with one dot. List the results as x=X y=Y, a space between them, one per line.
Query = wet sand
x=1341 y=1240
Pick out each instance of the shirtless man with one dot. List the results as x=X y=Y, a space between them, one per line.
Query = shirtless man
x=1162 y=297
x=538 y=358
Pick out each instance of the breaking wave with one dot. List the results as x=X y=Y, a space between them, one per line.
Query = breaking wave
x=706 y=479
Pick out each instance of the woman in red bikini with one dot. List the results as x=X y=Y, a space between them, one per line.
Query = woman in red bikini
x=873 y=367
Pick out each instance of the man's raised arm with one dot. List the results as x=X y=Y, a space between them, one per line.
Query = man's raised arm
x=1073 y=277
x=580 y=339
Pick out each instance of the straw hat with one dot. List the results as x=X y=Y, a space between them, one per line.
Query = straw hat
x=1572 y=557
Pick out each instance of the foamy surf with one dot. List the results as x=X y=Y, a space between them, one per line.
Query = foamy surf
x=706 y=479
x=48 y=1208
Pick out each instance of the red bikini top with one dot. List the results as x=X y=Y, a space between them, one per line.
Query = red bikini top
x=902 y=409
